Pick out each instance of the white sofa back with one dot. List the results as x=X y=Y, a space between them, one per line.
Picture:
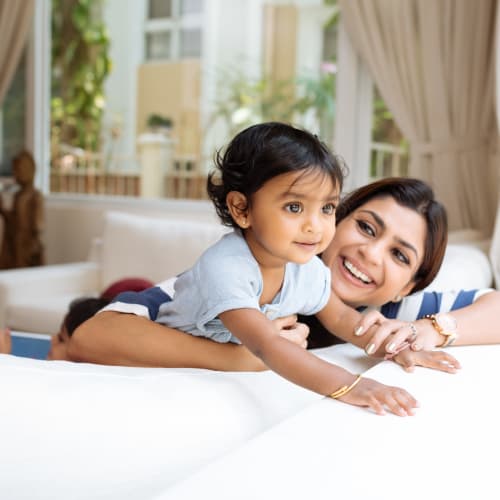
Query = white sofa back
x=152 y=248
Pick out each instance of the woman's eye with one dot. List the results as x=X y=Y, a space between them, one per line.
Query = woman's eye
x=294 y=208
x=329 y=209
x=401 y=256
x=366 y=228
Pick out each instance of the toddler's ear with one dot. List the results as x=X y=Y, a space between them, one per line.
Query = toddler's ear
x=238 y=208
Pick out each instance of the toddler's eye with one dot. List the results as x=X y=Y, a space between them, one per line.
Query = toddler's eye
x=294 y=208
x=329 y=209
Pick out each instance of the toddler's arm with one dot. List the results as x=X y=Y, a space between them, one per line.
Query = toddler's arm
x=262 y=338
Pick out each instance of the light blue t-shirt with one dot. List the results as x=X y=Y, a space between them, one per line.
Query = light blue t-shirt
x=227 y=277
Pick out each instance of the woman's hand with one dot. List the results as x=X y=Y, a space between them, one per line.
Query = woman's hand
x=379 y=397
x=293 y=331
x=437 y=360
x=385 y=336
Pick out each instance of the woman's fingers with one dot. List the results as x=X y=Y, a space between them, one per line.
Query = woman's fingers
x=389 y=335
x=371 y=318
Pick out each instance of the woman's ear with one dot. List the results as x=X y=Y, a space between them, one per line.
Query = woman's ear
x=237 y=205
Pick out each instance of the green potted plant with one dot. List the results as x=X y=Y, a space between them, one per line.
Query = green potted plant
x=159 y=123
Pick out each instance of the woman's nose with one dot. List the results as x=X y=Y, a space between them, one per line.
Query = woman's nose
x=372 y=252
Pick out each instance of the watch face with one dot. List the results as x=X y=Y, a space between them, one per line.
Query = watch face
x=447 y=323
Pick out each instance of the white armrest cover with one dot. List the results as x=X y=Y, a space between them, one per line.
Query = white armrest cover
x=36 y=299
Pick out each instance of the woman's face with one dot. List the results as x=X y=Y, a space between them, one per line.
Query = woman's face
x=376 y=252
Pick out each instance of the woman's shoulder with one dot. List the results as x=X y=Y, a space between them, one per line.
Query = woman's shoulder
x=417 y=305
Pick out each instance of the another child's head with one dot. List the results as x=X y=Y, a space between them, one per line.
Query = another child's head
x=262 y=152
x=80 y=310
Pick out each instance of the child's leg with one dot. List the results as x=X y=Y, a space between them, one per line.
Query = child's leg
x=5 y=341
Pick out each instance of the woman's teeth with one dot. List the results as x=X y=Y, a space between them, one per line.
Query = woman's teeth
x=356 y=272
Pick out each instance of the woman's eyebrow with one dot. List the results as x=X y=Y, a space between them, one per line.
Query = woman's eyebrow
x=381 y=223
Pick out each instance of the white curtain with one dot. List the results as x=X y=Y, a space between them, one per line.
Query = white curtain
x=15 y=21
x=432 y=61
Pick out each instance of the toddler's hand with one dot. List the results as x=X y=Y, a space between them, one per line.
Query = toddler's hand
x=372 y=394
x=438 y=360
x=293 y=331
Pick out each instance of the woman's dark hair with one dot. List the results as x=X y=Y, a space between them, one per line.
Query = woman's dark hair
x=415 y=195
x=81 y=310
x=261 y=152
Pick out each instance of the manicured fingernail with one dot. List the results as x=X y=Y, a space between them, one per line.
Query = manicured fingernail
x=358 y=331
x=391 y=347
x=417 y=347
x=370 y=349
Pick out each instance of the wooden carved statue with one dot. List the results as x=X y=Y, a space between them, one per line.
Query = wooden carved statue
x=21 y=243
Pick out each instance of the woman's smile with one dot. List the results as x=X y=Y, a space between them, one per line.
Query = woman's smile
x=376 y=252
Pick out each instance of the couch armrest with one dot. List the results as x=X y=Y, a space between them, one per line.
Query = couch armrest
x=78 y=278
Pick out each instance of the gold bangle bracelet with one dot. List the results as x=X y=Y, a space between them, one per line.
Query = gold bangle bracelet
x=345 y=389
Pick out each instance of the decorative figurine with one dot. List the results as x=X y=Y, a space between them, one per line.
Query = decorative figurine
x=21 y=242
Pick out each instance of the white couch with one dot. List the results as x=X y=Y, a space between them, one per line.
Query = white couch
x=35 y=300
x=84 y=431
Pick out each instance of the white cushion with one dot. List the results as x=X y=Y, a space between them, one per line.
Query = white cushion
x=465 y=267
x=152 y=248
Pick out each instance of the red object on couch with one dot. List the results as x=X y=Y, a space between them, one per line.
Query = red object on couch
x=126 y=285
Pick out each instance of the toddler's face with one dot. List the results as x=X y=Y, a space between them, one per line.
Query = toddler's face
x=292 y=218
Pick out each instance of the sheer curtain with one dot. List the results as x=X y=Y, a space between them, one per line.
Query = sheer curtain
x=432 y=61
x=15 y=20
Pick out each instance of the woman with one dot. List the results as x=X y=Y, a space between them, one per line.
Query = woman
x=389 y=244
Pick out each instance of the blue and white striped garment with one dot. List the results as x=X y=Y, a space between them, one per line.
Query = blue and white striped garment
x=411 y=308
x=416 y=306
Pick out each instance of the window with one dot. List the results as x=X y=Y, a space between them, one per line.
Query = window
x=179 y=85
x=173 y=30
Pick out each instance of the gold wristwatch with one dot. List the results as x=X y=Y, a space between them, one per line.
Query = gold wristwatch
x=445 y=325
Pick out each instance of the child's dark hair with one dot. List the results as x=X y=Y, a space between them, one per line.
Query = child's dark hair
x=81 y=310
x=261 y=152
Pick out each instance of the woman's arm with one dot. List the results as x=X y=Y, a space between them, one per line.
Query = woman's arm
x=477 y=324
x=114 y=338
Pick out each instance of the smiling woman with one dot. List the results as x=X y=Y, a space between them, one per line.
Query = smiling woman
x=390 y=241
